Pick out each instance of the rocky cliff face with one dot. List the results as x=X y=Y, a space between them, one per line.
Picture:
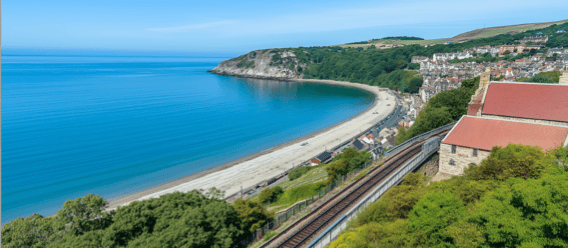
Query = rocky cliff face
x=270 y=64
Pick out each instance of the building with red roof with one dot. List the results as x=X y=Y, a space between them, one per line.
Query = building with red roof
x=540 y=103
x=472 y=138
x=530 y=102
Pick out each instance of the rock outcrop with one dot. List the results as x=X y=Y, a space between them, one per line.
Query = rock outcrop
x=262 y=64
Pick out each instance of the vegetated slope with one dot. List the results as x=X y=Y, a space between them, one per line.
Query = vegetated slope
x=360 y=65
x=475 y=34
x=517 y=197
x=511 y=29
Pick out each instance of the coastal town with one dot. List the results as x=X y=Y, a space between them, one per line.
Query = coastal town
x=285 y=125
x=446 y=71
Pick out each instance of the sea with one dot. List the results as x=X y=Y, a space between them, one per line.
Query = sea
x=74 y=125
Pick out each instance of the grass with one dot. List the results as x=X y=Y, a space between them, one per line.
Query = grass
x=316 y=174
x=487 y=32
x=299 y=193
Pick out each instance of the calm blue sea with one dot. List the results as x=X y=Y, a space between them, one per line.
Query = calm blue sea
x=74 y=125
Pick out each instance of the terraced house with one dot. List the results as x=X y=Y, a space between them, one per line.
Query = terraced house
x=501 y=113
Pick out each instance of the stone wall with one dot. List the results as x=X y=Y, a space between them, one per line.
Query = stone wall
x=463 y=158
x=532 y=121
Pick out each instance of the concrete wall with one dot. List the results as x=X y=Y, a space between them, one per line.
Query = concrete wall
x=547 y=122
x=463 y=157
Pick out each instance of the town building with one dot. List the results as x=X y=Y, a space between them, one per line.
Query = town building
x=535 y=39
x=324 y=157
x=472 y=138
x=528 y=102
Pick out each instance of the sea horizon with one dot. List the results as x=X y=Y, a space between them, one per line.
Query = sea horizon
x=116 y=125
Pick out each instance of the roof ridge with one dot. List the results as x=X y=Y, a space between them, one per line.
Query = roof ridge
x=526 y=122
x=529 y=83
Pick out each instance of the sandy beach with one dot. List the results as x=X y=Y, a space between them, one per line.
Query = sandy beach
x=253 y=169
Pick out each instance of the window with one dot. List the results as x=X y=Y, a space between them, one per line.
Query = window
x=453 y=149
x=452 y=162
x=475 y=152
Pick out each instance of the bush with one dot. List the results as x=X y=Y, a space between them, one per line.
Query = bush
x=296 y=194
x=512 y=161
x=270 y=194
x=298 y=172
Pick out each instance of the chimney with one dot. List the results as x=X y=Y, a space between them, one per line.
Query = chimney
x=478 y=99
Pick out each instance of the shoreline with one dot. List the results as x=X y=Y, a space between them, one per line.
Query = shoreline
x=159 y=190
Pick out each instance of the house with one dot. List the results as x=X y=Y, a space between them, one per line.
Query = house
x=552 y=51
x=464 y=55
x=357 y=144
x=472 y=138
x=535 y=39
x=510 y=48
x=482 y=50
x=529 y=102
x=323 y=157
x=535 y=47
x=418 y=59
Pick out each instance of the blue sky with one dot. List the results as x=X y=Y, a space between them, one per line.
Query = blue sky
x=241 y=26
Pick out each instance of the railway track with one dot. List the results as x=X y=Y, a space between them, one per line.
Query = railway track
x=300 y=233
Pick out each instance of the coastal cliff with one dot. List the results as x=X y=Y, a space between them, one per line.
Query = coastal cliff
x=268 y=64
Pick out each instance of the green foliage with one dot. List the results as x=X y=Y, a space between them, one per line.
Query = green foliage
x=298 y=172
x=270 y=194
x=405 y=81
x=173 y=220
x=512 y=161
x=347 y=161
x=432 y=215
x=522 y=203
x=413 y=66
x=251 y=214
x=548 y=77
x=402 y=38
x=444 y=108
x=392 y=234
x=33 y=231
x=395 y=203
x=525 y=213
x=296 y=194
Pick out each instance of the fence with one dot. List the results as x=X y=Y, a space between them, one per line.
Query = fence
x=278 y=221
x=407 y=143
x=332 y=232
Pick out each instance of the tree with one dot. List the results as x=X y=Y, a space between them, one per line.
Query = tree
x=270 y=194
x=33 y=231
x=512 y=161
x=297 y=172
x=525 y=213
x=251 y=214
x=433 y=214
x=84 y=214
x=506 y=52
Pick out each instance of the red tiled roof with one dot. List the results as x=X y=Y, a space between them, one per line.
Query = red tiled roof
x=485 y=133
x=531 y=101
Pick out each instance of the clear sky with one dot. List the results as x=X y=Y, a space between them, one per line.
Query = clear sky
x=238 y=26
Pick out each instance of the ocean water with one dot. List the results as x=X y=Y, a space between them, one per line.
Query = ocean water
x=74 y=125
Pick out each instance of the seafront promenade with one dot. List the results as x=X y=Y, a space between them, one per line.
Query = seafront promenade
x=267 y=164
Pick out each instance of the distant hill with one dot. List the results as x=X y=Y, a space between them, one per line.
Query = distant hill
x=388 y=42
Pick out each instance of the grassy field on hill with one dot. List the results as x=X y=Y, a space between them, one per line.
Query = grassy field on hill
x=475 y=34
